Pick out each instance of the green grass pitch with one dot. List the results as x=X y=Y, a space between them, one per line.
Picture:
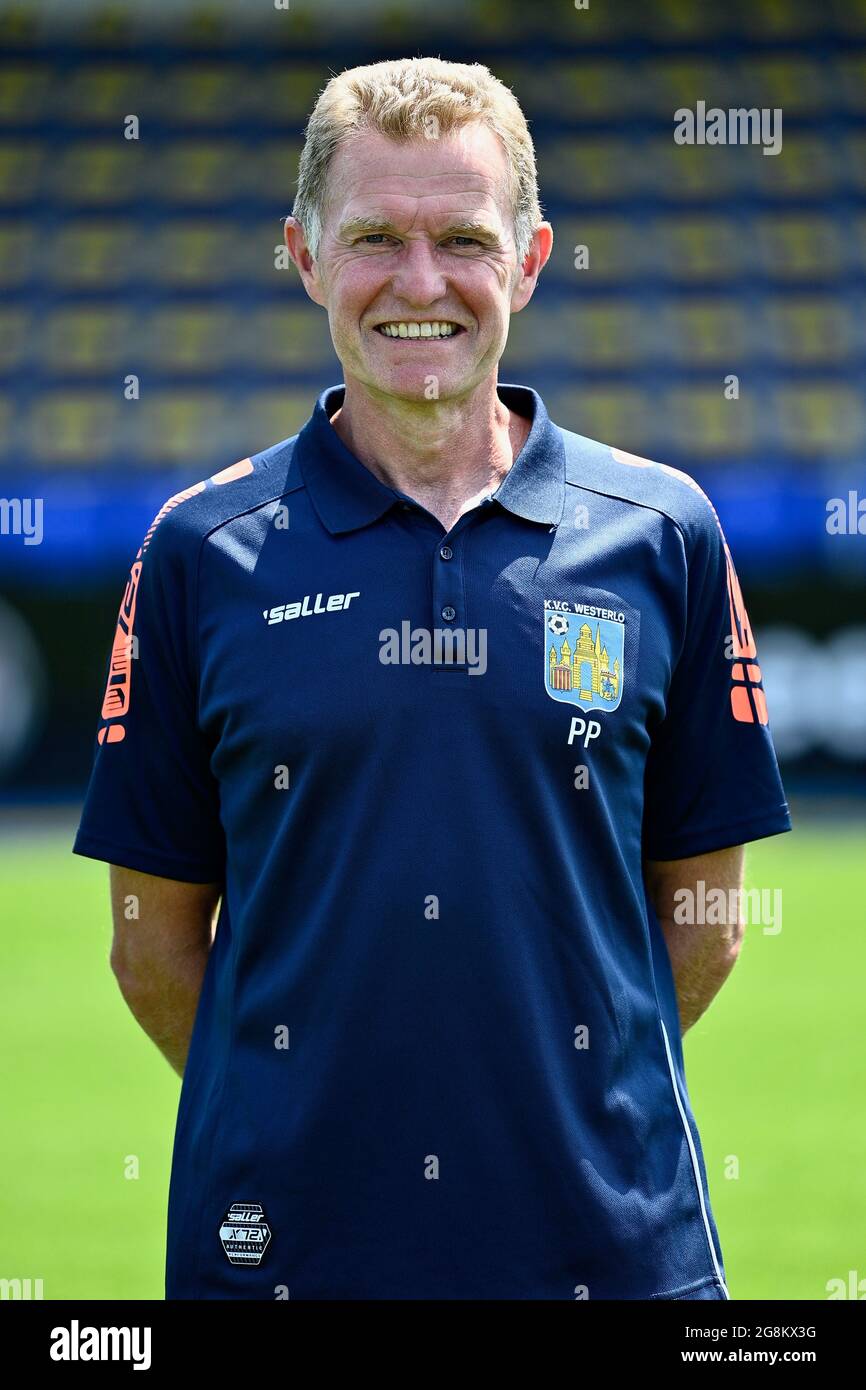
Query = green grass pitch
x=776 y=1072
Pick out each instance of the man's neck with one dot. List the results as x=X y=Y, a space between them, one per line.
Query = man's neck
x=446 y=455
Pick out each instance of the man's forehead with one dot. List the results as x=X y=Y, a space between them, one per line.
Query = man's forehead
x=469 y=162
x=370 y=211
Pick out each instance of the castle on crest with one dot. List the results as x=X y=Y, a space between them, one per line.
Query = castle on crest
x=586 y=669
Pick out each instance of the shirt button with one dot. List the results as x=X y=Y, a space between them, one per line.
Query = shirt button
x=446 y=552
x=405 y=507
x=449 y=613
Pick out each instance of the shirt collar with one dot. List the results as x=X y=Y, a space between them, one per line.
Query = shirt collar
x=346 y=495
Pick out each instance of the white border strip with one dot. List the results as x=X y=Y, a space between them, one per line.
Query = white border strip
x=694 y=1157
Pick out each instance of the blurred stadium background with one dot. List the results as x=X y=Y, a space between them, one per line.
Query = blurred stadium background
x=154 y=257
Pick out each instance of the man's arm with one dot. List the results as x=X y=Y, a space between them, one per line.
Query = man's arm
x=163 y=931
x=702 y=955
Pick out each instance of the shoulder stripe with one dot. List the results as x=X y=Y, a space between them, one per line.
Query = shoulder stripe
x=118 y=689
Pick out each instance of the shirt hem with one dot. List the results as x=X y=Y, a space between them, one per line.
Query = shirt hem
x=685 y=1289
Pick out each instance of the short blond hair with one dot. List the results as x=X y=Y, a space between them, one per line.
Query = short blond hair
x=412 y=98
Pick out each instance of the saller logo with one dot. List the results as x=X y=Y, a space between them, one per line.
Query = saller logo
x=245 y=1234
x=284 y=612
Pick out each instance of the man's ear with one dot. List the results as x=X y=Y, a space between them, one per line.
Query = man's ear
x=307 y=267
x=534 y=262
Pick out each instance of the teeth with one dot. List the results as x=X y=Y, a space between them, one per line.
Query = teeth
x=428 y=329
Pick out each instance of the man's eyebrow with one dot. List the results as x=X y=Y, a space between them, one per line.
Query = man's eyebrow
x=358 y=226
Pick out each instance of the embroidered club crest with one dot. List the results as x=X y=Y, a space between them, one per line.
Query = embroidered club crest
x=583 y=654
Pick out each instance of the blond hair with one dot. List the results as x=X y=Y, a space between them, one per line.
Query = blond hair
x=412 y=98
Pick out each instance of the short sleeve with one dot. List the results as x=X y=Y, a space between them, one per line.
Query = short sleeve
x=152 y=802
x=712 y=779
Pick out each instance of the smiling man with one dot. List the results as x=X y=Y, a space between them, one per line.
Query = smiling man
x=433 y=1049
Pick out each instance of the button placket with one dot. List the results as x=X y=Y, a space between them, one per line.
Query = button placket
x=449 y=601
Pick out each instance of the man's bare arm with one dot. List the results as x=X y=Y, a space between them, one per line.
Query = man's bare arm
x=702 y=955
x=163 y=931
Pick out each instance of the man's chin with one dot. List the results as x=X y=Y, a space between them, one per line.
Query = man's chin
x=422 y=384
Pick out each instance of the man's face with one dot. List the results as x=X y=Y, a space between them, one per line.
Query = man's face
x=419 y=233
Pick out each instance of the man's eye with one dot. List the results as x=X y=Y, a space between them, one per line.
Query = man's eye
x=379 y=238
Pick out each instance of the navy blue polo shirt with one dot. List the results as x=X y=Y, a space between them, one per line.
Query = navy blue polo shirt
x=437 y=1051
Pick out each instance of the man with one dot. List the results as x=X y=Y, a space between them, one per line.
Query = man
x=442 y=705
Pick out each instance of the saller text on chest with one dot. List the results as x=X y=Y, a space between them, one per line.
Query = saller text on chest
x=335 y=603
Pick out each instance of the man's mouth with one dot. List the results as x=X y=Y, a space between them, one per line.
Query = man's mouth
x=419 y=328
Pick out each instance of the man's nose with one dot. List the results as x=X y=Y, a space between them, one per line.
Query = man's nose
x=418 y=277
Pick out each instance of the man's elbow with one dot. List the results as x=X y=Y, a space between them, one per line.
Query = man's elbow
x=133 y=970
x=124 y=970
x=732 y=945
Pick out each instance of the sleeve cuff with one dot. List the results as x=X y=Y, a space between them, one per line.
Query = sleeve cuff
x=719 y=837
x=149 y=861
